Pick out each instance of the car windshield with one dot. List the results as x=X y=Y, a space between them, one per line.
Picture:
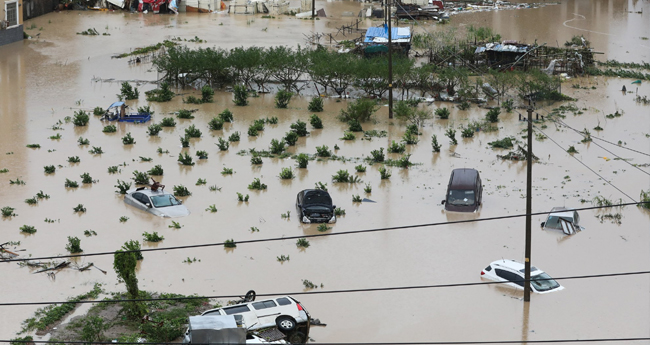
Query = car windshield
x=553 y=222
x=317 y=198
x=164 y=201
x=461 y=197
x=543 y=282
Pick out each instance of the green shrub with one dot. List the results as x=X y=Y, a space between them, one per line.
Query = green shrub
x=185 y=141
x=361 y=110
x=277 y=146
x=286 y=174
x=154 y=129
x=493 y=114
x=355 y=126
x=109 y=129
x=434 y=143
x=207 y=94
x=49 y=169
x=257 y=184
x=163 y=94
x=316 y=121
x=644 y=199
x=128 y=139
x=83 y=141
x=181 y=190
x=360 y=168
x=234 y=137
x=377 y=155
x=316 y=105
x=368 y=188
x=505 y=143
x=240 y=94
x=8 y=211
x=28 y=229
x=113 y=169
x=356 y=198
x=302 y=243
x=185 y=159
x=229 y=243
x=451 y=134
x=128 y=92
x=442 y=113
x=223 y=145
x=202 y=154
x=227 y=171
x=193 y=132
x=71 y=184
x=123 y=187
x=226 y=116
x=153 y=237
x=323 y=151
x=344 y=176
x=291 y=138
x=303 y=160
x=156 y=171
x=185 y=114
x=242 y=198
x=282 y=98
x=508 y=105
x=80 y=118
x=467 y=132
x=168 y=122
x=300 y=128
x=252 y=131
x=98 y=111
x=256 y=160
x=215 y=124
x=74 y=245
x=96 y=150
x=464 y=105
x=272 y=121
x=348 y=136
x=395 y=147
x=145 y=110
x=385 y=173
x=86 y=178
x=409 y=138
x=140 y=177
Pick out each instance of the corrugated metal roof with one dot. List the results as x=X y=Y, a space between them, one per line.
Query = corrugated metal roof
x=380 y=34
x=497 y=47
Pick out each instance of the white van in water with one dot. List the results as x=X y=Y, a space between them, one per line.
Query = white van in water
x=285 y=313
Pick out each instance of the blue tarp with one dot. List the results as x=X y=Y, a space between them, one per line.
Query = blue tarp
x=382 y=32
x=116 y=104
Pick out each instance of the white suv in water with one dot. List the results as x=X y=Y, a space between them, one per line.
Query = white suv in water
x=512 y=272
x=285 y=313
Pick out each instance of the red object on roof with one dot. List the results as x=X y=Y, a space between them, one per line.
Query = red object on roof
x=439 y=3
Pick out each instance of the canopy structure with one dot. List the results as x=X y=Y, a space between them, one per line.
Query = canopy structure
x=380 y=35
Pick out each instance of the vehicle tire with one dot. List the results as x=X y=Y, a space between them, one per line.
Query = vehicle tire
x=250 y=296
x=286 y=324
x=297 y=338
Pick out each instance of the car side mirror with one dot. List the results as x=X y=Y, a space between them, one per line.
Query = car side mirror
x=299 y=205
x=478 y=203
x=148 y=205
x=443 y=202
x=333 y=207
x=543 y=223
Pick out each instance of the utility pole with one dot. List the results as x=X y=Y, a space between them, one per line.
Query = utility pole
x=390 y=63
x=313 y=8
x=529 y=182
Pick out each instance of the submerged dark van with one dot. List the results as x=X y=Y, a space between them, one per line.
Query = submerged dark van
x=464 y=192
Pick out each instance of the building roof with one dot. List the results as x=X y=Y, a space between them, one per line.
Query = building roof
x=498 y=47
x=380 y=35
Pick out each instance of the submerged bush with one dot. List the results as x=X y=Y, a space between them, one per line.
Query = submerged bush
x=361 y=110
x=315 y=105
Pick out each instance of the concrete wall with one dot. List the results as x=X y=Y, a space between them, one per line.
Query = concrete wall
x=34 y=8
x=11 y=35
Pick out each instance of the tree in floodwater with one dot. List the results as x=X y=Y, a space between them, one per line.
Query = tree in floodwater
x=331 y=69
x=502 y=82
x=245 y=64
x=371 y=76
x=450 y=78
x=287 y=66
x=124 y=264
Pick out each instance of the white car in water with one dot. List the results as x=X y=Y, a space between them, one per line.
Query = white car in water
x=512 y=273
x=159 y=203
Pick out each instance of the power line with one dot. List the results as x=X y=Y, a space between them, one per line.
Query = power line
x=562 y=123
x=403 y=227
x=395 y=288
x=368 y=343
x=581 y=162
x=609 y=142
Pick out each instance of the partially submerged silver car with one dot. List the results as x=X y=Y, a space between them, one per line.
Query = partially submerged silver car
x=222 y=329
x=159 y=203
x=564 y=219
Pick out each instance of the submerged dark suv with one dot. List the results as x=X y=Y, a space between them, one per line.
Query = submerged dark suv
x=315 y=206
x=464 y=192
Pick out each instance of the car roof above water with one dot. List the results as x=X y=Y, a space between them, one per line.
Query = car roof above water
x=515 y=266
x=463 y=178
x=149 y=192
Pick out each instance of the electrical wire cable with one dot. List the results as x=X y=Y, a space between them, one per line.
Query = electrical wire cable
x=562 y=123
x=579 y=161
x=543 y=341
x=327 y=292
x=343 y=233
x=604 y=140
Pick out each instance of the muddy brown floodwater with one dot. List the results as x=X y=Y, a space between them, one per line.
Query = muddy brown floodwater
x=46 y=79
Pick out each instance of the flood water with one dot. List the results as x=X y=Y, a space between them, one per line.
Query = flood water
x=46 y=79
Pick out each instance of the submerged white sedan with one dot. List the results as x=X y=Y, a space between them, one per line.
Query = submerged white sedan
x=159 y=203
